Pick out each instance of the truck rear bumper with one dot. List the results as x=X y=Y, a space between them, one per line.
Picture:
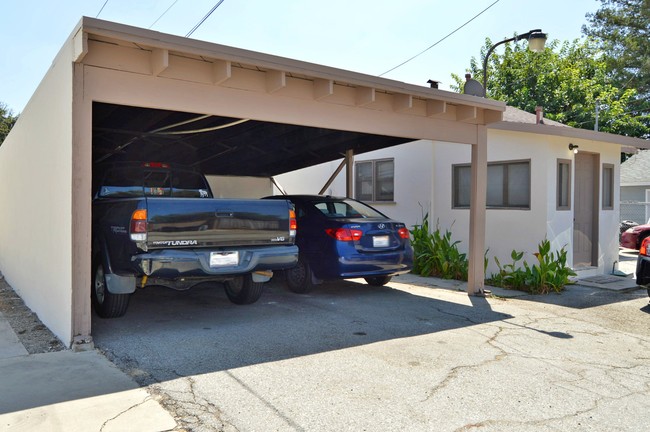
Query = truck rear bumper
x=179 y=263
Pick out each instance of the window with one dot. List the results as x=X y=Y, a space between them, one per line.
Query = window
x=608 y=187
x=508 y=185
x=563 y=184
x=346 y=208
x=374 y=180
x=135 y=181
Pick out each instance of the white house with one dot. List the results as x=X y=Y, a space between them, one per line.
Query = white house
x=635 y=188
x=545 y=180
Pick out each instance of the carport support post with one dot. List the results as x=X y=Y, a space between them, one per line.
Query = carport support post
x=349 y=165
x=476 y=271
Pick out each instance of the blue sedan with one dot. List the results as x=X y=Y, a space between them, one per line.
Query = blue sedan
x=342 y=238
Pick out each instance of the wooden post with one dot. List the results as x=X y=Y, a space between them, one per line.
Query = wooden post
x=476 y=272
x=349 y=173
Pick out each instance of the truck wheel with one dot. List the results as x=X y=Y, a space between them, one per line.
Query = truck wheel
x=106 y=304
x=298 y=278
x=242 y=290
x=378 y=280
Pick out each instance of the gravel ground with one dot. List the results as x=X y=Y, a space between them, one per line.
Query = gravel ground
x=33 y=334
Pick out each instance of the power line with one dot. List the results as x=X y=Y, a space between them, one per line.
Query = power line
x=163 y=14
x=100 y=11
x=204 y=18
x=423 y=51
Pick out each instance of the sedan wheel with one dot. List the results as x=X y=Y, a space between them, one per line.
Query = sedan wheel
x=298 y=278
x=378 y=280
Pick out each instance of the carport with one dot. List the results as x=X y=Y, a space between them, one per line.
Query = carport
x=116 y=92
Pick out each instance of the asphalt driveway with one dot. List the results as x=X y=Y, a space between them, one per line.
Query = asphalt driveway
x=408 y=357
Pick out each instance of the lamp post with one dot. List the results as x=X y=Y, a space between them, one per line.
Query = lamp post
x=536 y=42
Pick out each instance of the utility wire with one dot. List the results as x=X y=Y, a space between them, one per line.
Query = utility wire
x=163 y=14
x=423 y=51
x=100 y=11
x=204 y=18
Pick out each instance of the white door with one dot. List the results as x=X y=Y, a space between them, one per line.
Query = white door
x=585 y=215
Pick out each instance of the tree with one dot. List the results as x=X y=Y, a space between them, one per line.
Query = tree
x=7 y=121
x=621 y=28
x=568 y=79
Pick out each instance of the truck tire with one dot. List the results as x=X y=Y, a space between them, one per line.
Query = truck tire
x=242 y=290
x=106 y=304
x=298 y=278
x=378 y=280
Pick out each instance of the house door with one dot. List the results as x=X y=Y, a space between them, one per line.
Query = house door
x=585 y=216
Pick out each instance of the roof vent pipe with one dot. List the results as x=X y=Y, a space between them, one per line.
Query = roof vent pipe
x=539 y=115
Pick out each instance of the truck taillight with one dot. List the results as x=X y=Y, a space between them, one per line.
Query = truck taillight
x=293 y=223
x=139 y=226
x=344 y=234
x=645 y=244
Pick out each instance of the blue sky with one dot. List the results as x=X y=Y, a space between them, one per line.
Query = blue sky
x=369 y=36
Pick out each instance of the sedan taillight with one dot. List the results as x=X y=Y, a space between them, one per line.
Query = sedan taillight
x=403 y=233
x=645 y=245
x=344 y=234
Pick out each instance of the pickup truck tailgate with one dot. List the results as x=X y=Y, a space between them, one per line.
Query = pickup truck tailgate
x=192 y=223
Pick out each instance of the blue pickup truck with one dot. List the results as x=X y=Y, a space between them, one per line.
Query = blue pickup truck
x=158 y=224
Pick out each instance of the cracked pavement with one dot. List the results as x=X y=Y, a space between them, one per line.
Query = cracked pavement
x=406 y=357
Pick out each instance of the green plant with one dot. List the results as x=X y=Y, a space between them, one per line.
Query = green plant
x=509 y=275
x=435 y=254
x=550 y=273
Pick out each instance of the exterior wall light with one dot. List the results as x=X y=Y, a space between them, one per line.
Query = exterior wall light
x=536 y=42
x=573 y=148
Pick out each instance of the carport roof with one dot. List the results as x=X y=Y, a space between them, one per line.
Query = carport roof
x=240 y=145
x=221 y=145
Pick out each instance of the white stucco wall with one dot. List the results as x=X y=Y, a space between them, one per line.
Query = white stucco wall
x=309 y=181
x=423 y=174
x=413 y=194
x=506 y=230
x=240 y=186
x=35 y=192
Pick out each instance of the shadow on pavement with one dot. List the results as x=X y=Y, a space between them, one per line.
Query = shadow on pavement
x=167 y=334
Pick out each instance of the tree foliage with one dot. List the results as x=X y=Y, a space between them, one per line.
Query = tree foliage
x=7 y=121
x=568 y=80
x=621 y=28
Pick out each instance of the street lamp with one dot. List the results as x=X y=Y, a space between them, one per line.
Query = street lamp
x=536 y=42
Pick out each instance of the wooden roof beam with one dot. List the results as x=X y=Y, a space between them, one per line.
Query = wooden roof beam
x=221 y=71
x=466 y=112
x=365 y=96
x=436 y=107
x=402 y=102
x=275 y=80
x=159 y=61
x=323 y=88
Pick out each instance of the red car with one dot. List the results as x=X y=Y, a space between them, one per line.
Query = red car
x=643 y=265
x=634 y=236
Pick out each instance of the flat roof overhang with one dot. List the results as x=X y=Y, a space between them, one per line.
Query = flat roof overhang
x=243 y=140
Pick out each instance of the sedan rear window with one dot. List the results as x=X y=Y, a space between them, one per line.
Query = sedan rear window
x=346 y=209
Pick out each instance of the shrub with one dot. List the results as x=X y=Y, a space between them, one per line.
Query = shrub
x=435 y=254
x=550 y=273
